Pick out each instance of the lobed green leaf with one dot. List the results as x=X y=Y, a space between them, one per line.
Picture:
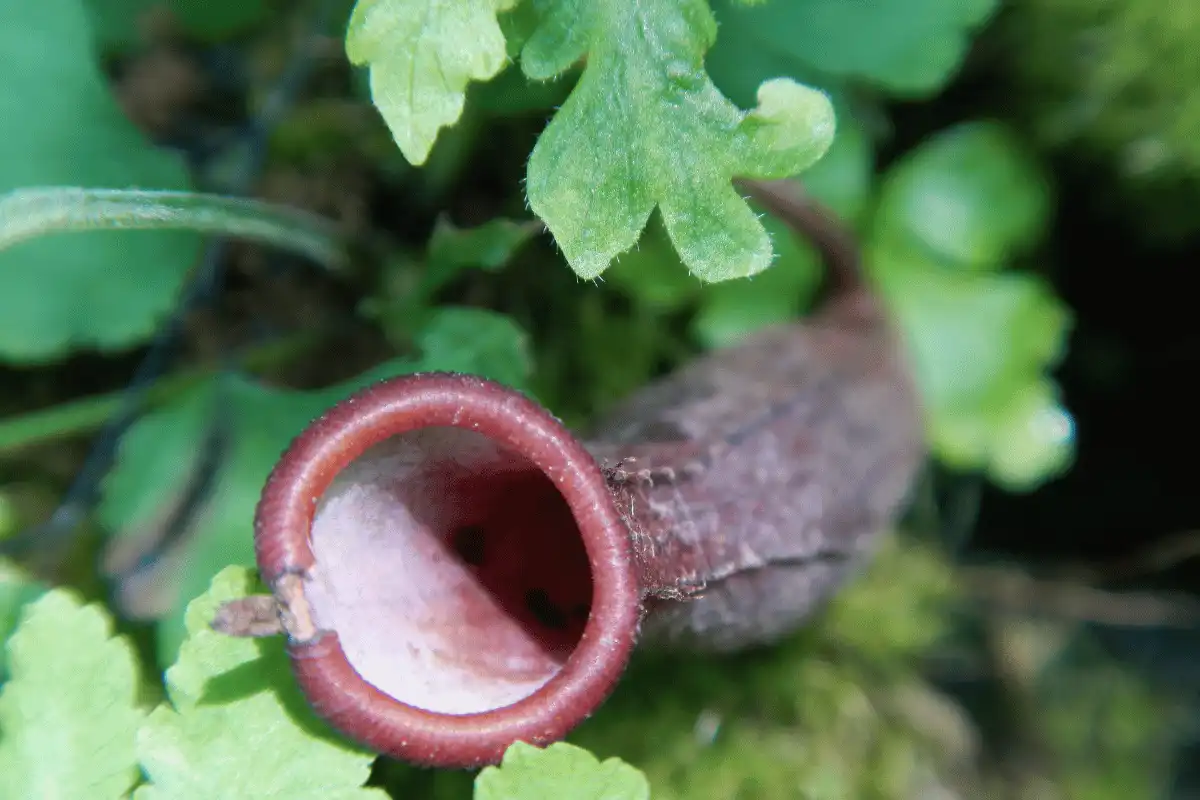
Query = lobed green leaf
x=237 y=724
x=559 y=772
x=645 y=127
x=951 y=215
x=488 y=246
x=971 y=195
x=725 y=311
x=421 y=55
x=69 y=713
x=981 y=345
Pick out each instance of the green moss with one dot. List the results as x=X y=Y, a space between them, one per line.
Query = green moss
x=841 y=711
x=835 y=712
x=1110 y=730
x=1114 y=81
x=898 y=609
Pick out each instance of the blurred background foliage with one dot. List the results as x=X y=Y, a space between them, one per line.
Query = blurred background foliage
x=1022 y=176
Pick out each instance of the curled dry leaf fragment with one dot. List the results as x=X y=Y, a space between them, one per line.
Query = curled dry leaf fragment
x=253 y=616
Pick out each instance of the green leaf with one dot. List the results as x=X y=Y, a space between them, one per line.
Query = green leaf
x=237 y=725
x=905 y=47
x=478 y=342
x=488 y=247
x=559 y=772
x=981 y=345
x=645 y=127
x=512 y=92
x=950 y=215
x=422 y=54
x=69 y=715
x=970 y=196
x=59 y=125
x=162 y=452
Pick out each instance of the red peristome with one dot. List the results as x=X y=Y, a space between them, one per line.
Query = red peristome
x=284 y=543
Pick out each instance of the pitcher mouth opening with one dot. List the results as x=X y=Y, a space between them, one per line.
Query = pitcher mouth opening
x=452 y=571
x=465 y=573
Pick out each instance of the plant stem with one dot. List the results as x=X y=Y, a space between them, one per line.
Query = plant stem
x=32 y=212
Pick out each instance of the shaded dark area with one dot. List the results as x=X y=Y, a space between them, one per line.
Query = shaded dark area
x=1127 y=381
x=1126 y=375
